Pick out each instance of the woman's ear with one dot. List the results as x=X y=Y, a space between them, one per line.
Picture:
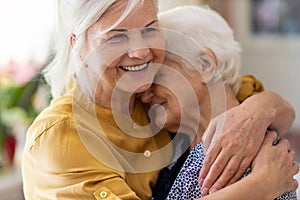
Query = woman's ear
x=208 y=65
x=211 y=54
x=72 y=39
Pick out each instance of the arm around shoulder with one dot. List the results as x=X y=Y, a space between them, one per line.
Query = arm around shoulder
x=277 y=112
x=273 y=167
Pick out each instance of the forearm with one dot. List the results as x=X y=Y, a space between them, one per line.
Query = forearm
x=248 y=188
x=277 y=113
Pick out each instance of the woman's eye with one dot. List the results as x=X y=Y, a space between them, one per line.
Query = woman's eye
x=118 y=38
x=149 y=31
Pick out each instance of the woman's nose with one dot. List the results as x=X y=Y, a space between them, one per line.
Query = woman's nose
x=138 y=47
x=140 y=53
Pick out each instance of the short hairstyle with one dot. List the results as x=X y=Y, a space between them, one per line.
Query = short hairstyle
x=210 y=30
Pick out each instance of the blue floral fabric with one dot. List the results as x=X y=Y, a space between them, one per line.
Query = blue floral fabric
x=186 y=185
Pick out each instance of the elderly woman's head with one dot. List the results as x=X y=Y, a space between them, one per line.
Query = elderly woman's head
x=202 y=56
x=211 y=31
x=105 y=45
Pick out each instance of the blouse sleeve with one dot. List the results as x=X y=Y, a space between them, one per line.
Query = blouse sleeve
x=56 y=165
x=249 y=86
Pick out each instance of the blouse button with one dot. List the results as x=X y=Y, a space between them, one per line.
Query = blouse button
x=135 y=126
x=103 y=194
x=147 y=153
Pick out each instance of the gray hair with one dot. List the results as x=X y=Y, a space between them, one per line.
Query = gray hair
x=74 y=17
x=210 y=30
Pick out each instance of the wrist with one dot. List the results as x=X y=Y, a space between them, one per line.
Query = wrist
x=259 y=182
x=262 y=108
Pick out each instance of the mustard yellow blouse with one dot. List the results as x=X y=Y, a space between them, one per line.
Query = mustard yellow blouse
x=249 y=86
x=74 y=153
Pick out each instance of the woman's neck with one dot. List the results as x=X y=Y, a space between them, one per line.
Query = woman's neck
x=117 y=100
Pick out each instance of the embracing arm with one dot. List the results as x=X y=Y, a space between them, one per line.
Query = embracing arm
x=233 y=145
x=243 y=189
x=279 y=114
x=273 y=167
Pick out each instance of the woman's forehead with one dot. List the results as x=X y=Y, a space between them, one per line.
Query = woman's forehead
x=142 y=13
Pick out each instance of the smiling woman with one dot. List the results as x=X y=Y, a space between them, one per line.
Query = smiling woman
x=95 y=140
x=107 y=52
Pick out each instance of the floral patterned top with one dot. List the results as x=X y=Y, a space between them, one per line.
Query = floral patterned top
x=186 y=184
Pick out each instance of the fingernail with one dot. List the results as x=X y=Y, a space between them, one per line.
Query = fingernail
x=200 y=181
x=212 y=190
x=204 y=191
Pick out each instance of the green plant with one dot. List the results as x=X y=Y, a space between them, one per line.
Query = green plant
x=18 y=110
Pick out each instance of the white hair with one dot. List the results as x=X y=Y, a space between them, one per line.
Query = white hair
x=75 y=17
x=211 y=31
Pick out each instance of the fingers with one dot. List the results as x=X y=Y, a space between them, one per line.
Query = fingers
x=229 y=172
x=207 y=163
x=295 y=168
x=293 y=154
x=226 y=170
x=285 y=143
x=271 y=138
x=221 y=166
x=214 y=172
x=241 y=171
x=277 y=161
x=295 y=184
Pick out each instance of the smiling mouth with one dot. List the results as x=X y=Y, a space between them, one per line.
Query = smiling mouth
x=134 y=68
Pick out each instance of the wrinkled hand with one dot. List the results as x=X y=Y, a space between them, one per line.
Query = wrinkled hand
x=232 y=140
x=276 y=163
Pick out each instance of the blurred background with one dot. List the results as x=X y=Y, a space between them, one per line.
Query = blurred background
x=269 y=33
x=268 y=30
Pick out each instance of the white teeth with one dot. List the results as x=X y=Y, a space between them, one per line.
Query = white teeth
x=135 y=68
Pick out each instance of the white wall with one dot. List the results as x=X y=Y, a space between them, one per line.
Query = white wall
x=280 y=73
x=275 y=60
x=167 y=4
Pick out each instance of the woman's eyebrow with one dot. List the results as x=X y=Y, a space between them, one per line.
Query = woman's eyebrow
x=152 y=22
x=120 y=30
x=126 y=30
